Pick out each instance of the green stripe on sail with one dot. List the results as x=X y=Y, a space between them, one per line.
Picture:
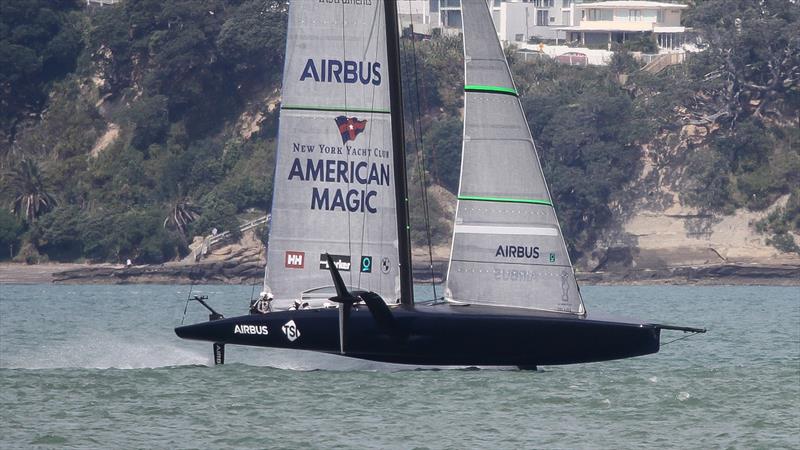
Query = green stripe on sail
x=505 y=200
x=335 y=109
x=490 y=89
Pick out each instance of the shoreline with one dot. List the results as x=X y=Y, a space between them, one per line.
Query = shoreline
x=237 y=272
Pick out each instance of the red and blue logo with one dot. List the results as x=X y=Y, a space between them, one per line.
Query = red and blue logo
x=350 y=127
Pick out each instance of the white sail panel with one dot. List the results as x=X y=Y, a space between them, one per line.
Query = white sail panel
x=334 y=179
x=507 y=245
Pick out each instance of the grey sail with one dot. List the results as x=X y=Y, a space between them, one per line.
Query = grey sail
x=507 y=245
x=334 y=184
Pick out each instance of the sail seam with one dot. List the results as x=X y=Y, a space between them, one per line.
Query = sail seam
x=505 y=200
x=513 y=264
x=490 y=89
x=478 y=303
x=518 y=230
x=335 y=109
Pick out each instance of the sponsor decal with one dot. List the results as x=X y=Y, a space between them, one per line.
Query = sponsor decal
x=291 y=331
x=349 y=150
x=350 y=127
x=294 y=260
x=251 y=329
x=342 y=262
x=338 y=171
x=552 y=257
x=514 y=275
x=385 y=265
x=565 y=282
x=366 y=264
x=344 y=172
x=347 y=71
x=517 y=251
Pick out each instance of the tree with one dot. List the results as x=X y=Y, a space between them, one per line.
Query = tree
x=248 y=38
x=10 y=228
x=708 y=184
x=750 y=65
x=30 y=196
x=443 y=148
x=59 y=233
x=149 y=120
x=39 y=43
x=433 y=73
x=181 y=214
x=586 y=131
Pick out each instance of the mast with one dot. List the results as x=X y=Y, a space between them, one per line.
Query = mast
x=399 y=154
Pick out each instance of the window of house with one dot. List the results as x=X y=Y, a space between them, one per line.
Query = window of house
x=541 y=18
x=599 y=14
x=660 y=16
x=453 y=19
x=634 y=15
x=519 y=37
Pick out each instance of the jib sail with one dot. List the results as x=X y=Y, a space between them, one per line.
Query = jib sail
x=507 y=245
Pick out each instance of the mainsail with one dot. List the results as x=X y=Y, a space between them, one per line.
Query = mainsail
x=507 y=245
x=334 y=179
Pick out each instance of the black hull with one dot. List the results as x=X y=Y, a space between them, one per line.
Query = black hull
x=442 y=335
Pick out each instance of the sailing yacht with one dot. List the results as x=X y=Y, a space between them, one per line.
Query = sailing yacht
x=340 y=231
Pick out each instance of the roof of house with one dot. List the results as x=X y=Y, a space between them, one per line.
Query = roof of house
x=608 y=25
x=631 y=4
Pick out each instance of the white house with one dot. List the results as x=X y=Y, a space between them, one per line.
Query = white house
x=446 y=15
x=603 y=23
x=415 y=13
x=515 y=19
x=521 y=21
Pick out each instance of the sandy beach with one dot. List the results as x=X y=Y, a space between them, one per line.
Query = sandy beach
x=38 y=273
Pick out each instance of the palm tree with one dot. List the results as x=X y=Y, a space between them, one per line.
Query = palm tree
x=30 y=196
x=181 y=214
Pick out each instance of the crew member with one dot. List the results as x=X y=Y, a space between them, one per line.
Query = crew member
x=263 y=304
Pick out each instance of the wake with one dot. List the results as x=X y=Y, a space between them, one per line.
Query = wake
x=103 y=352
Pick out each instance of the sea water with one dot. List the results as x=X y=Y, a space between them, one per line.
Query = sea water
x=100 y=367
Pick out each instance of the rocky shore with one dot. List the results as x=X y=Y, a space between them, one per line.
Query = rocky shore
x=243 y=263
x=235 y=270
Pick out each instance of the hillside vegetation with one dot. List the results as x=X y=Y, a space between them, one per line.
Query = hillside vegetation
x=127 y=130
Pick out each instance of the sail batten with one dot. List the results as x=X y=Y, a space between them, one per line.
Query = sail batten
x=334 y=109
x=490 y=89
x=506 y=200
x=508 y=249
x=484 y=229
